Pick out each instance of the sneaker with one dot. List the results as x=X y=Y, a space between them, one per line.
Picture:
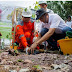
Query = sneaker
x=27 y=50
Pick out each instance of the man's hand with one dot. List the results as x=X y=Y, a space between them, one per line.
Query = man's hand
x=32 y=48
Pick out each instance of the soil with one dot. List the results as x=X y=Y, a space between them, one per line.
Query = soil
x=43 y=62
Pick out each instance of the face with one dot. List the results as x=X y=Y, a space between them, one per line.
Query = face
x=43 y=6
x=69 y=19
x=26 y=19
x=44 y=18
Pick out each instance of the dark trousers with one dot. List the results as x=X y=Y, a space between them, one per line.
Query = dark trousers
x=53 y=39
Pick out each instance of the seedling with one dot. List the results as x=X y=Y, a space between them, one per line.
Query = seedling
x=37 y=67
x=20 y=60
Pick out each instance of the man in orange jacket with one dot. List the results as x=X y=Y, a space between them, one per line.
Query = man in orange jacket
x=25 y=31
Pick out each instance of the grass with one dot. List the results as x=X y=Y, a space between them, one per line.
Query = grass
x=5 y=33
x=2 y=28
x=3 y=23
x=5 y=30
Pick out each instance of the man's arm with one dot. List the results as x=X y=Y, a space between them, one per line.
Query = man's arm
x=40 y=40
x=34 y=45
x=46 y=36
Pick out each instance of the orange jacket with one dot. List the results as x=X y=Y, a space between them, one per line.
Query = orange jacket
x=24 y=31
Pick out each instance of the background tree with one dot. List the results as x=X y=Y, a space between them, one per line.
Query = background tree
x=36 y=7
x=18 y=12
x=62 y=8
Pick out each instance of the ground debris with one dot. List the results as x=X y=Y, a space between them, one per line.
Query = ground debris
x=13 y=53
x=62 y=67
x=47 y=62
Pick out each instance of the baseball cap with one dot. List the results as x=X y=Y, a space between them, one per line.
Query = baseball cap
x=27 y=13
x=40 y=12
x=41 y=2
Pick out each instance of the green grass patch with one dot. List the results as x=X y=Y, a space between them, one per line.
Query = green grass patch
x=3 y=23
x=5 y=30
x=5 y=33
x=2 y=28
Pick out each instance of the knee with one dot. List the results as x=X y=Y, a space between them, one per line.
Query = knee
x=67 y=29
x=43 y=31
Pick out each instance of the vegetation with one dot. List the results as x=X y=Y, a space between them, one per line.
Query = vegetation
x=5 y=30
x=18 y=13
x=62 y=8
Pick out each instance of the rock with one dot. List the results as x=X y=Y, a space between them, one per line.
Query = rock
x=24 y=70
x=3 y=62
x=55 y=66
x=13 y=67
x=15 y=63
x=4 y=55
x=62 y=66
x=39 y=57
x=70 y=70
x=9 y=62
x=12 y=71
x=35 y=70
x=27 y=61
x=4 y=69
x=44 y=67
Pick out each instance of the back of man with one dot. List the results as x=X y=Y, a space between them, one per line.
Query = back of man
x=50 y=33
x=55 y=21
x=53 y=27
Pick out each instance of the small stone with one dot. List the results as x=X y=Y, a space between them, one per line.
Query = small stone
x=27 y=61
x=24 y=70
x=12 y=71
x=3 y=62
x=39 y=57
x=9 y=62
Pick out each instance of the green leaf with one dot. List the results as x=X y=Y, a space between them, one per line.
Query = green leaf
x=25 y=9
x=32 y=59
x=16 y=51
x=7 y=36
x=36 y=2
x=19 y=60
x=38 y=67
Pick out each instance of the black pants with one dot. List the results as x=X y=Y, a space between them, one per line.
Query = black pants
x=53 y=39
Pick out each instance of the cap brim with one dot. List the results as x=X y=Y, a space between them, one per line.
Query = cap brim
x=26 y=15
x=41 y=15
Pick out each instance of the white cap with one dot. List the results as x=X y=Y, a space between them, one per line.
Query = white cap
x=27 y=13
x=41 y=2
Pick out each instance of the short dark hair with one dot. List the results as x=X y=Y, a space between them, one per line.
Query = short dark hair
x=69 y=16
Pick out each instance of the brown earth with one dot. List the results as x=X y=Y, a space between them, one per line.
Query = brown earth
x=43 y=62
